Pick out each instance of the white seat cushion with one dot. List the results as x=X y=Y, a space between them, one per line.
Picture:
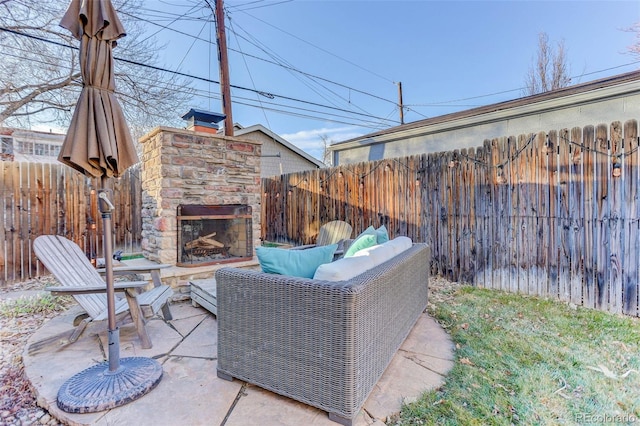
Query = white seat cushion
x=343 y=269
x=379 y=253
x=400 y=244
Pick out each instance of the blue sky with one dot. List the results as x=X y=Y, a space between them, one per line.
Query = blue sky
x=448 y=55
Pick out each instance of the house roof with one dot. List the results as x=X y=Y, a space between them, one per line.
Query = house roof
x=584 y=92
x=240 y=130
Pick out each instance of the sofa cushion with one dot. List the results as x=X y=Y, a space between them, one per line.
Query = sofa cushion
x=363 y=241
x=295 y=263
x=344 y=269
x=382 y=234
x=379 y=253
x=401 y=244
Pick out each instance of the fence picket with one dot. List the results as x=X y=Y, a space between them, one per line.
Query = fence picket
x=616 y=218
x=631 y=171
x=576 y=215
x=603 y=171
x=590 y=217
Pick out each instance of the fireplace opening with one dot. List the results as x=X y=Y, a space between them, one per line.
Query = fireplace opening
x=212 y=234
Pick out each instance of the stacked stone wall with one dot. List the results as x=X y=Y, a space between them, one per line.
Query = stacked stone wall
x=187 y=167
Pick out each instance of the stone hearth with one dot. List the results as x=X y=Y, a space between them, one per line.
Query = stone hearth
x=188 y=167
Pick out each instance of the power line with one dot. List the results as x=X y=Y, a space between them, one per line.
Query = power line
x=443 y=103
x=288 y=67
x=174 y=20
x=324 y=115
x=259 y=92
x=261 y=6
x=265 y=49
x=322 y=49
x=315 y=76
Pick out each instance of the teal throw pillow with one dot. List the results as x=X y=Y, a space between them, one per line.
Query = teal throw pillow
x=362 y=242
x=295 y=263
x=382 y=234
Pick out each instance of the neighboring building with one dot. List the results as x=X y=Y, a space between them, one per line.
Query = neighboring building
x=29 y=145
x=278 y=156
x=606 y=100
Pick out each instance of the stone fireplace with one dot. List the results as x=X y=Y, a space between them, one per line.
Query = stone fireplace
x=199 y=185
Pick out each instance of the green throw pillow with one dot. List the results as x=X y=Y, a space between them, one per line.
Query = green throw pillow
x=362 y=242
x=295 y=263
x=382 y=234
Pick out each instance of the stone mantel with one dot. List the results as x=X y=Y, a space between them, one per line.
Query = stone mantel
x=182 y=166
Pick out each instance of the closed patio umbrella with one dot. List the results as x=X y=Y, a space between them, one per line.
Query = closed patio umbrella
x=99 y=144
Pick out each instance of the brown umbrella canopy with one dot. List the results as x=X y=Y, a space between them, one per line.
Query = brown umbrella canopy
x=98 y=142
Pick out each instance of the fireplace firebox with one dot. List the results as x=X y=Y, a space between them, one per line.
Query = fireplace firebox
x=212 y=234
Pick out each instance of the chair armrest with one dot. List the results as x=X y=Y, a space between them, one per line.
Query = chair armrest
x=347 y=243
x=119 y=286
x=138 y=269
x=152 y=269
x=304 y=247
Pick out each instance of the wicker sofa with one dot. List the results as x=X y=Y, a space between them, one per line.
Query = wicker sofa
x=323 y=343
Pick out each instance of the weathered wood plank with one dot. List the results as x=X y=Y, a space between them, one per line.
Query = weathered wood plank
x=554 y=211
x=603 y=171
x=565 y=226
x=5 y=207
x=541 y=212
x=576 y=215
x=590 y=217
x=617 y=218
x=631 y=173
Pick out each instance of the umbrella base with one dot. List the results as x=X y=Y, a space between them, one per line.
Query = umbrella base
x=98 y=389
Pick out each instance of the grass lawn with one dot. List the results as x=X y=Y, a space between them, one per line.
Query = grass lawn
x=527 y=360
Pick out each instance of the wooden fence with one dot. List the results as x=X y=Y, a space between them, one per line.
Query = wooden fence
x=38 y=199
x=553 y=214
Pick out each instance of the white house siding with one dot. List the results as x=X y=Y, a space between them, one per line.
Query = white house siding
x=614 y=102
x=30 y=145
x=288 y=162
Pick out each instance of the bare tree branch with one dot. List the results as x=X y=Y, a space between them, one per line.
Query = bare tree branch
x=39 y=81
x=326 y=153
x=634 y=49
x=550 y=71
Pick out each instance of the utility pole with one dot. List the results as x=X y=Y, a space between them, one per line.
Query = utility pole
x=225 y=86
x=400 y=104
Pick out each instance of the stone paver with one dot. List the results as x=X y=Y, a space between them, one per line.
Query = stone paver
x=190 y=393
x=410 y=372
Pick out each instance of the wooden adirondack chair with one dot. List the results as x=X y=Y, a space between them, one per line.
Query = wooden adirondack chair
x=330 y=233
x=78 y=278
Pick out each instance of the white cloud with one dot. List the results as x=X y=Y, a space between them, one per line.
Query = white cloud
x=311 y=141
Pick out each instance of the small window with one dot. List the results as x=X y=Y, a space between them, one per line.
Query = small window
x=41 y=149
x=25 y=148
x=7 y=145
x=54 y=150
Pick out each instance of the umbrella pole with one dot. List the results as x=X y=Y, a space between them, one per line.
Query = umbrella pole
x=106 y=207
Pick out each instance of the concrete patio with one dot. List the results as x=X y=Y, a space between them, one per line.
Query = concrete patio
x=190 y=393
